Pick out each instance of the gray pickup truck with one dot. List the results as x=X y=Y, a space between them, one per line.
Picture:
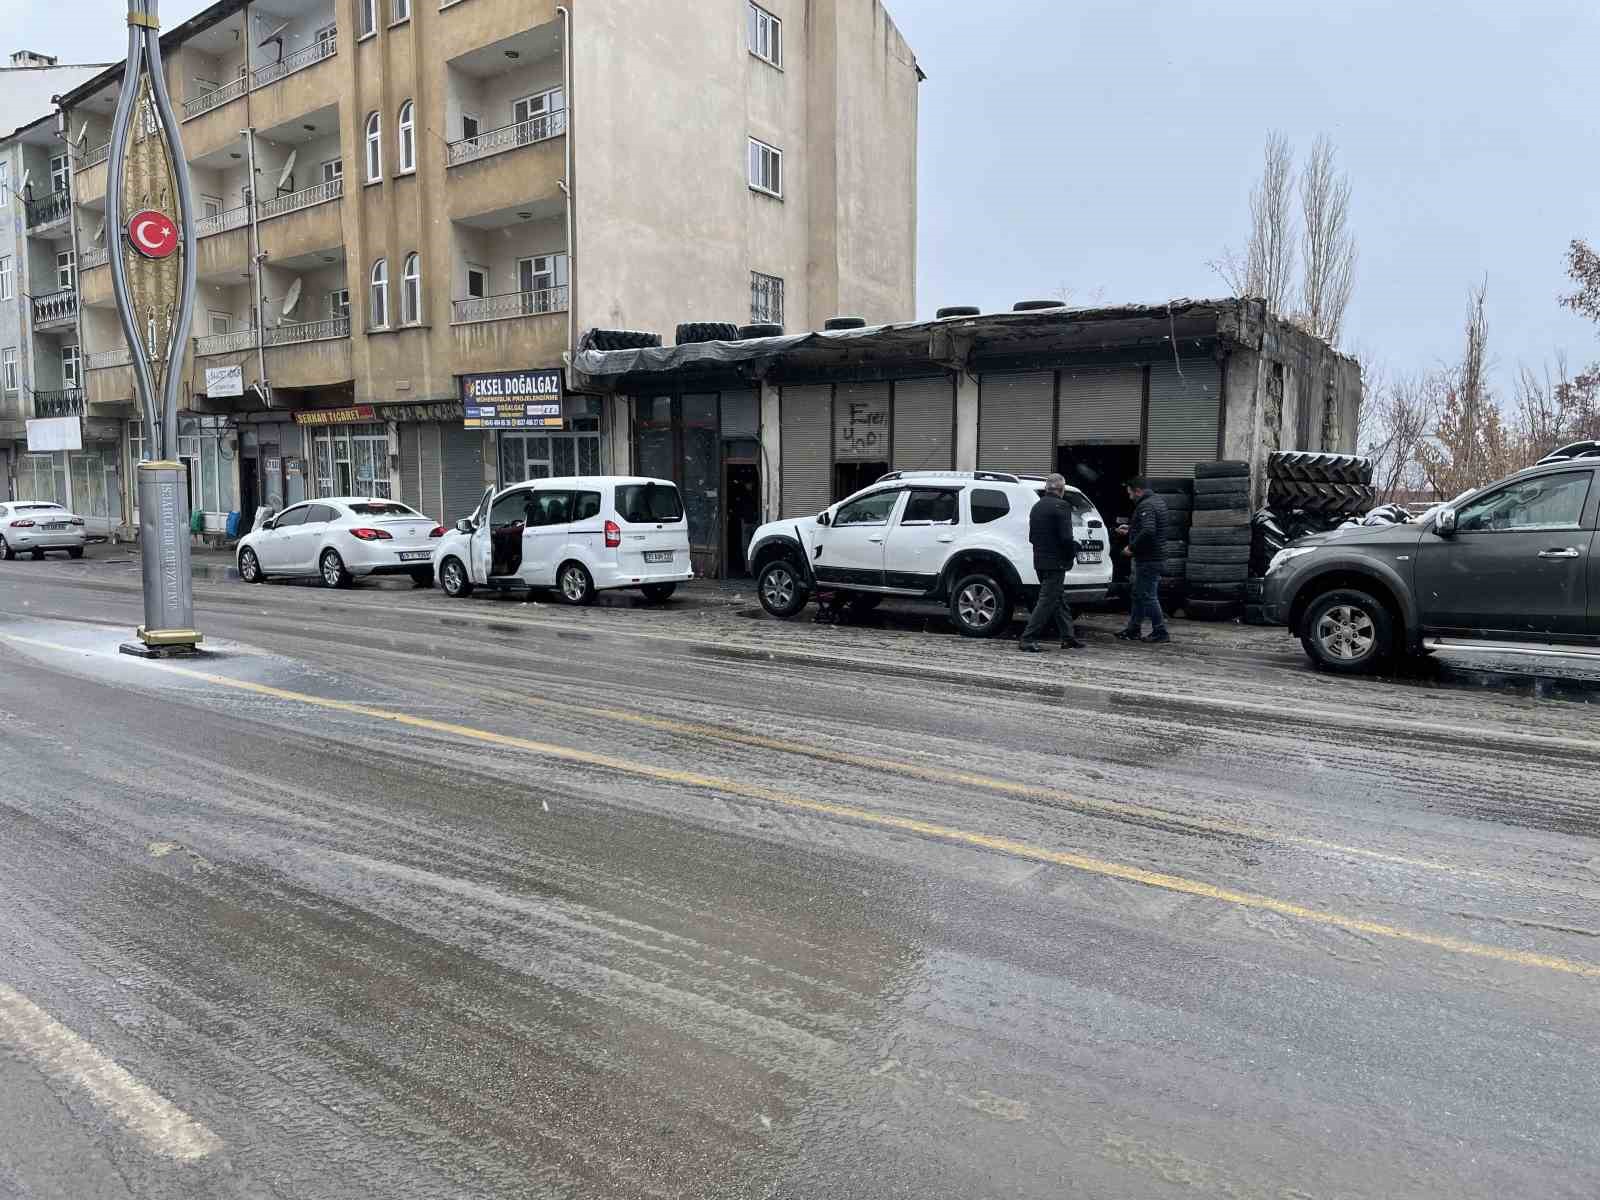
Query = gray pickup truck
x=1510 y=568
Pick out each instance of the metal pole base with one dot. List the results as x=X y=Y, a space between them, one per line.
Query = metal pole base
x=158 y=650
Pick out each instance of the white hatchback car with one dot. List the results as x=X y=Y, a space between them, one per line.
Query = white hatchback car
x=34 y=526
x=580 y=535
x=339 y=539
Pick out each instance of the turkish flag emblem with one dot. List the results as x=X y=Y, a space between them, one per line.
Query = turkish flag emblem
x=153 y=234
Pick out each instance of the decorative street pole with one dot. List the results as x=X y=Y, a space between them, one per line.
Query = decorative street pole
x=152 y=213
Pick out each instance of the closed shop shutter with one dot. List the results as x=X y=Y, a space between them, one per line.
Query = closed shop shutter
x=1100 y=405
x=806 y=451
x=5 y=474
x=861 y=422
x=428 y=472
x=1016 y=423
x=410 y=477
x=461 y=455
x=924 y=424
x=1183 y=416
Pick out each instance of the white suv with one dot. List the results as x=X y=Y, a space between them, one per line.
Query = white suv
x=952 y=536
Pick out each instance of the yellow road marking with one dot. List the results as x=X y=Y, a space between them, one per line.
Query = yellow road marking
x=849 y=812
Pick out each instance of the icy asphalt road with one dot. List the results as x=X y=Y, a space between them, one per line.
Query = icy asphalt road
x=390 y=896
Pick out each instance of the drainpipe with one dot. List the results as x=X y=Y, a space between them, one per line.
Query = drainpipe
x=566 y=183
x=255 y=267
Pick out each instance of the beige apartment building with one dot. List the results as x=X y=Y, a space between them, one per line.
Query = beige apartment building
x=398 y=195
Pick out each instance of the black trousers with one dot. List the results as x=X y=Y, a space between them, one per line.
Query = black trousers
x=1051 y=605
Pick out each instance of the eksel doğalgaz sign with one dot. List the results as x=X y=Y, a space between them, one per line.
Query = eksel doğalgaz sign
x=512 y=400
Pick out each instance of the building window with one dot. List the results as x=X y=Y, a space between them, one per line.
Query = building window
x=5 y=278
x=380 y=294
x=401 y=10
x=71 y=363
x=374 y=148
x=369 y=16
x=66 y=270
x=202 y=446
x=5 y=184
x=539 y=278
x=8 y=368
x=766 y=36
x=408 y=137
x=766 y=298
x=539 y=116
x=477 y=282
x=339 y=304
x=351 y=460
x=766 y=168
x=60 y=173
x=411 y=291
x=333 y=170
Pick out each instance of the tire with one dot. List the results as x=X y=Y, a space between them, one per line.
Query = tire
x=1227 y=485
x=658 y=593
x=1305 y=466
x=250 y=567
x=454 y=580
x=1254 y=589
x=1217 y=589
x=762 y=329
x=693 y=332
x=957 y=310
x=422 y=577
x=1178 y=504
x=1175 y=549
x=1255 y=614
x=1205 y=572
x=1174 y=568
x=74 y=551
x=1222 y=518
x=980 y=606
x=6 y=552
x=332 y=571
x=1327 y=499
x=1210 y=610
x=1171 y=485
x=1347 y=631
x=1227 y=468
x=621 y=339
x=845 y=323
x=1212 y=501
x=1239 y=555
x=1224 y=536
x=574 y=584
x=1036 y=305
x=781 y=589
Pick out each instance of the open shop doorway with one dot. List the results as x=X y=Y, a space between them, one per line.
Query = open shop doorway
x=1100 y=471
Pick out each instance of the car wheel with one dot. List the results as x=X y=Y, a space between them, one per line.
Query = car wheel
x=781 y=590
x=1348 y=632
x=333 y=573
x=74 y=551
x=453 y=579
x=980 y=606
x=575 y=584
x=657 y=593
x=422 y=577
x=250 y=566
x=6 y=552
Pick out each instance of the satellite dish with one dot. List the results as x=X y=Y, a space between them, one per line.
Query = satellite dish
x=100 y=232
x=276 y=36
x=26 y=175
x=291 y=297
x=288 y=169
x=83 y=133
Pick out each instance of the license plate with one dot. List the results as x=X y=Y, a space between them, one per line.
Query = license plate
x=415 y=555
x=658 y=556
x=1088 y=558
x=56 y=525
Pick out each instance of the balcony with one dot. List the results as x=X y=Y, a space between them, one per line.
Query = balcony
x=57 y=308
x=95 y=256
x=222 y=222
x=299 y=60
x=542 y=128
x=67 y=402
x=198 y=106
x=108 y=358
x=48 y=210
x=508 y=306
x=225 y=343
x=322 y=193
x=278 y=335
x=95 y=157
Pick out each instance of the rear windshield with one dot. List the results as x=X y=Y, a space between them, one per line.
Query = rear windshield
x=1080 y=503
x=643 y=503
x=40 y=508
x=383 y=508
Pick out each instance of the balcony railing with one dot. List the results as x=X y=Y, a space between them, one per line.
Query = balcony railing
x=299 y=60
x=222 y=222
x=226 y=343
x=94 y=256
x=48 y=209
x=95 y=157
x=508 y=137
x=332 y=189
x=197 y=105
x=308 y=331
x=56 y=308
x=108 y=358
x=68 y=402
x=512 y=304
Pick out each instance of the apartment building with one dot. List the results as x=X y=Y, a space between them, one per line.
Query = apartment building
x=398 y=196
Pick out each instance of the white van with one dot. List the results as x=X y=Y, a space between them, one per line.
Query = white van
x=580 y=536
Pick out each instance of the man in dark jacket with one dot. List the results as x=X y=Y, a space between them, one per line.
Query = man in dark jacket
x=1147 y=546
x=1054 y=552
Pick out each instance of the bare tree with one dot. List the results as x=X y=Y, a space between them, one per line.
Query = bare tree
x=1327 y=247
x=1398 y=416
x=1470 y=444
x=1267 y=266
x=1583 y=265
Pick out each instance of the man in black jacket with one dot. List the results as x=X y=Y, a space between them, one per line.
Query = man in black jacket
x=1054 y=552
x=1147 y=546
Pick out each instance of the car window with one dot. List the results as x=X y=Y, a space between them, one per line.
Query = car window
x=293 y=516
x=1549 y=502
x=383 y=508
x=40 y=508
x=929 y=507
x=988 y=504
x=321 y=514
x=550 y=508
x=511 y=509
x=586 y=506
x=867 y=510
x=643 y=503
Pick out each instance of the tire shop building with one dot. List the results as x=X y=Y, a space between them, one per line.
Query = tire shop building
x=780 y=427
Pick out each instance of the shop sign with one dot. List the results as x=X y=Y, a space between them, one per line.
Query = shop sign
x=355 y=414
x=225 y=381
x=513 y=400
x=54 y=433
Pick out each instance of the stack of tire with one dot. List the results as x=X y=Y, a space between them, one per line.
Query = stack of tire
x=618 y=339
x=1179 y=495
x=1219 y=541
x=691 y=333
x=1328 y=485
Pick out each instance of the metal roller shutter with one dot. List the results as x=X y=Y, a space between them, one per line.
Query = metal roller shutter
x=1100 y=404
x=806 y=450
x=410 y=469
x=1183 y=416
x=861 y=422
x=461 y=460
x=428 y=472
x=1016 y=423
x=924 y=424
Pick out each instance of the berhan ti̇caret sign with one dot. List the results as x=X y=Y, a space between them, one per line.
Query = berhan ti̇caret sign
x=513 y=400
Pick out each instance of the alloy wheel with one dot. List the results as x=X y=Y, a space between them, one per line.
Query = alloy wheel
x=573 y=584
x=777 y=589
x=248 y=566
x=331 y=569
x=977 y=606
x=1346 y=633
x=450 y=577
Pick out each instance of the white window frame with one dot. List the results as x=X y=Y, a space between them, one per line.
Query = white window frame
x=10 y=372
x=71 y=367
x=210 y=206
x=411 y=290
x=765 y=36
x=408 y=138
x=367 y=13
x=552 y=268
x=475 y=269
x=328 y=33
x=399 y=12
x=374 y=160
x=765 y=166
x=66 y=270
x=60 y=173
x=5 y=184
x=213 y=319
x=378 y=295
x=332 y=169
x=6 y=277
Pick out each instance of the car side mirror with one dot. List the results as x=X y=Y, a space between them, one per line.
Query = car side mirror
x=822 y=519
x=1445 y=523
x=270 y=523
x=464 y=525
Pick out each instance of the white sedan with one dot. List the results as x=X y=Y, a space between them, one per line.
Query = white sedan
x=34 y=526
x=341 y=538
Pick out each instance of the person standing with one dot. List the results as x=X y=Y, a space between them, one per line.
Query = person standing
x=1054 y=552
x=1147 y=546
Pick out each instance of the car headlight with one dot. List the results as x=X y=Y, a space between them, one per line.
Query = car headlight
x=1289 y=555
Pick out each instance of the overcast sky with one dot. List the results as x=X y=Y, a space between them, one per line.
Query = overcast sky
x=1109 y=148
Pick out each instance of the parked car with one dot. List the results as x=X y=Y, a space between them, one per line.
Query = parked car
x=960 y=538
x=35 y=526
x=1512 y=567
x=341 y=538
x=580 y=536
